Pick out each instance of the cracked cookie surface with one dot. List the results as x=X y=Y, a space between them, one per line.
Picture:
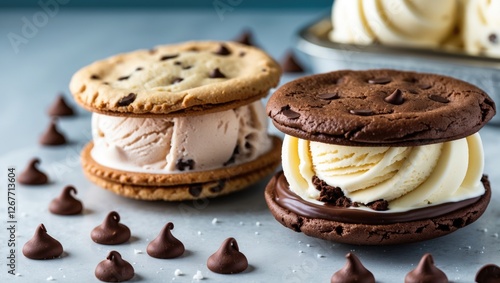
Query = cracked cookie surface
x=379 y=107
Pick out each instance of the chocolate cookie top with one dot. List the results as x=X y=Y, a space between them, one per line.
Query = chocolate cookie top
x=176 y=79
x=379 y=107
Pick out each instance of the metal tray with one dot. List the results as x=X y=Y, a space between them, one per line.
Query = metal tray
x=326 y=56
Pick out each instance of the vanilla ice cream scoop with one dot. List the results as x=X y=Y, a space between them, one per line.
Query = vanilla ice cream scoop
x=416 y=23
x=481 y=28
x=406 y=177
x=186 y=143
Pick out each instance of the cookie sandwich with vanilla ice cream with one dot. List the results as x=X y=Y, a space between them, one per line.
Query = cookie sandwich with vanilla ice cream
x=379 y=157
x=178 y=122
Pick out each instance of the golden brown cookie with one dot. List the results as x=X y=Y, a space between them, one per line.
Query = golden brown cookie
x=188 y=78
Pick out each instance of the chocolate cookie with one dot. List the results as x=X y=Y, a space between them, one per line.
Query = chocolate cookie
x=379 y=107
x=379 y=157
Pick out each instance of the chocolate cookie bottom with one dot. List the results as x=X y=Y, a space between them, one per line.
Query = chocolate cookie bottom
x=362 y=227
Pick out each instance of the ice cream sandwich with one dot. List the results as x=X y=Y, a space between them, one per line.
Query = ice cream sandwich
x=179 y=122
x=379 y=157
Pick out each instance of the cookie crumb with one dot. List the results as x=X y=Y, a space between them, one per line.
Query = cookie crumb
x=50 y=278
x=257 y=233
x=178 y=272
x=215 y=221
x=301 y=251
x=320 y=256
x=258 y=223
x=136 y=251
x=199 y=233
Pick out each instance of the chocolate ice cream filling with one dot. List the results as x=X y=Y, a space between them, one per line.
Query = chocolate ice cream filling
x=291 y=201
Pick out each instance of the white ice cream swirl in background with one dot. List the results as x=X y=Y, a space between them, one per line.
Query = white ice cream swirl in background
x=406 y=177
x=416 y=23
x=155 y=145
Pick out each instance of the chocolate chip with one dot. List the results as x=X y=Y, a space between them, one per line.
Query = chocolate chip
x=245 y=38
x=111 y=231
x=187 y=67
x=195 y=190
x=412 y=91
x=242 y=54
x=353 y=271
x=127 y=100
x=396 y=97
x=223 y=50
x=181 y=164
x=410 y=80
x=177 y=63
x=331 y=195
x=60 y=108
x=105 y=83
x=216 y=73
x=289 y=113
x=167 y=57
x=65 y=203
x=165 y=245
x=290 y=64
x=177 y=80
x=438 y=98
x=42 y=245
x=114 y=269
x=489 y=273
x=426 y=271
x=328 y=96
x=228 y=259
x=52 y=136
x=152 y=51
x=232 y=159
x=139 y=69
x=31 y=175
x=95 y=77
x=380 y=81
x=424 y=86
x=219 y=187
x=361 y=112
x=493 y=38
x=123 y=78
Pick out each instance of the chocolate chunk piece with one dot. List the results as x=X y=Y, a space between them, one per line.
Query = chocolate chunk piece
x=329 y=96
x=424 y=86
x=331 y=195
x=114 y=269
x=245 y=38
x=438 y=98
x=289 y=113
x=167 y=57
x=95 y=77
x=493 y=38
x=426 y=272
x=489 y=273
x=395 y=97
x=126 y=100
x=52 y=136
x=66 y=203
x=177 y=80
x=60 y=108
x=31 y=175
x=111 y=231
x=216 y=73
x=378 y=205
x=380 y=81
x=228 y=259
x=290 y=64
x=219 y=187
x=123 y=78
x=353 y=272
x=182 y=164
x=42 y=245
x=165 y=245
x=139 y=69
x=223 y=50
x=361 y=112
